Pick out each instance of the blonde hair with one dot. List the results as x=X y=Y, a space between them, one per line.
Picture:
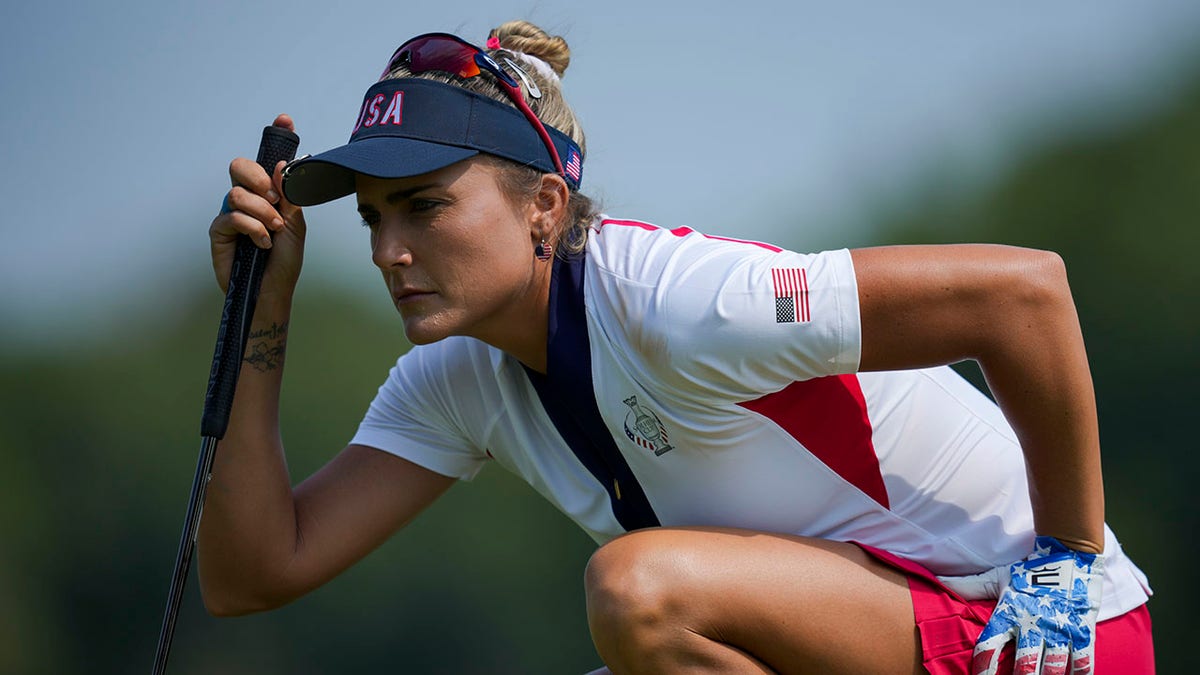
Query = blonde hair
x=522 y=42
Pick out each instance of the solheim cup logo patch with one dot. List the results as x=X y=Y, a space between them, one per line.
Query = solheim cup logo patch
x=643 y=427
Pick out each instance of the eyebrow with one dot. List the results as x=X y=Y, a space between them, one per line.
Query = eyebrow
x=398 y=196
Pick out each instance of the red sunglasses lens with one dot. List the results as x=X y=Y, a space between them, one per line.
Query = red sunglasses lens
x=450 y=54
x=439 y=53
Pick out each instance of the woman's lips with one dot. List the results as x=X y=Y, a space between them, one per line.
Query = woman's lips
x=407 y=296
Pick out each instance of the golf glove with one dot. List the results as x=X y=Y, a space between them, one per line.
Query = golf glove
x=1047 y=605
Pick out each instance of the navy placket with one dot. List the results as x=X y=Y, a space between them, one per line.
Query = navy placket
x=569 y=397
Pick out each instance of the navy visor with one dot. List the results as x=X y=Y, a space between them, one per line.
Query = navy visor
x=409 y=126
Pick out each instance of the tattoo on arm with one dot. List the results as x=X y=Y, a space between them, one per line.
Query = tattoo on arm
x=267 y=346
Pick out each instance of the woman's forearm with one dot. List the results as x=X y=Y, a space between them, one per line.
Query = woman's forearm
x=1036 y=366
x=1011 y=310
x=248 y=529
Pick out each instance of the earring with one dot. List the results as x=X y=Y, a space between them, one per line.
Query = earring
x=543 y=251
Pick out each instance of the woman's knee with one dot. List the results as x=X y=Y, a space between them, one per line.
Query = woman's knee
x=724 y=597
x=651 y=576
x=634 y=586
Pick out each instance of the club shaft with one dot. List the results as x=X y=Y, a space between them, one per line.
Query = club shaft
x=187 y=545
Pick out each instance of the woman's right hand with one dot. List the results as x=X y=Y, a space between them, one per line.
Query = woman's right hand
x=260 y=211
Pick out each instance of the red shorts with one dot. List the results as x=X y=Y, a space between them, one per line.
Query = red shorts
x=949 y=626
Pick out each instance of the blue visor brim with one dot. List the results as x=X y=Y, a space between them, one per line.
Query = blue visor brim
x=330 y=175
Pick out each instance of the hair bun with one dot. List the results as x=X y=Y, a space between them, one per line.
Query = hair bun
x=527 y=38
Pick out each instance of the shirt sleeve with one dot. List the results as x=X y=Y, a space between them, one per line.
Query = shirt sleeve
x=414 y=416
x=731 y=319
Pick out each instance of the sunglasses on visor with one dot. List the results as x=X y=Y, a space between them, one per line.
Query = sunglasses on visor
x=450 y=54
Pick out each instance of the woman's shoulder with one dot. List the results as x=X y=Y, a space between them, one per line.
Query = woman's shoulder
x=740 y=316
x=607 y=227
x=639 y=250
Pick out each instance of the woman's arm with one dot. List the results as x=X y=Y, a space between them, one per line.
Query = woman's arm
x=1011 y=310
x=262 y=544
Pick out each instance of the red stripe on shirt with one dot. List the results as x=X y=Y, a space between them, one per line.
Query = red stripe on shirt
x=828 y=416
x=684 y=231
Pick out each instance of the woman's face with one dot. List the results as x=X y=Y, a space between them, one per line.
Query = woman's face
x=455 y=252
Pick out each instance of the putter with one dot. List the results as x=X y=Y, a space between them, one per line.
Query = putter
x=242 y=294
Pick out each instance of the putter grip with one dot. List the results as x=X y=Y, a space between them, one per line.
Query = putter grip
x=245 y=277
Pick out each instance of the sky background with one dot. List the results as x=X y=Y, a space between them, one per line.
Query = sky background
x=789 y=122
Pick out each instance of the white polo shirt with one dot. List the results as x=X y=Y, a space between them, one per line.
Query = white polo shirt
x=696 y=380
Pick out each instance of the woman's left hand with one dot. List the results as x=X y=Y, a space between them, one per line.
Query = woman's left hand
x=1048 y=609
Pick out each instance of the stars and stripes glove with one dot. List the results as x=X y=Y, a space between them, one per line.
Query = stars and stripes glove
x=1048 y=608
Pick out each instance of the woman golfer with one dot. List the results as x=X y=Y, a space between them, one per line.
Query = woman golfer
x=782 y=473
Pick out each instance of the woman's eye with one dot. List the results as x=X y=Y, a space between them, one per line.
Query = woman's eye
x=418 y=205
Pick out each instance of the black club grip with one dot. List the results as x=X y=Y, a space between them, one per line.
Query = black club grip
x=245 y=277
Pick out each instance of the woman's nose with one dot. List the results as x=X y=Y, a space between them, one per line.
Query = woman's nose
x=389 y=249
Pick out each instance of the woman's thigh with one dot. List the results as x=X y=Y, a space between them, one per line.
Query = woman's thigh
x=771 y=601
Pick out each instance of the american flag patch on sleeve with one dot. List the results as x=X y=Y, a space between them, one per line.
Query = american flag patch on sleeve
x=791 y=294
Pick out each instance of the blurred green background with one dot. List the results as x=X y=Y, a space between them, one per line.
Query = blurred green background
x=98 y=443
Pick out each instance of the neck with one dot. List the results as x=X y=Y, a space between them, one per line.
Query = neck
x=522 y=329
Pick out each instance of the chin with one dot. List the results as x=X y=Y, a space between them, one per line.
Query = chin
x=422 y=331
x=423 y=339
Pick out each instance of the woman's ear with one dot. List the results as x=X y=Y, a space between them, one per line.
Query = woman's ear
x=550 y=206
